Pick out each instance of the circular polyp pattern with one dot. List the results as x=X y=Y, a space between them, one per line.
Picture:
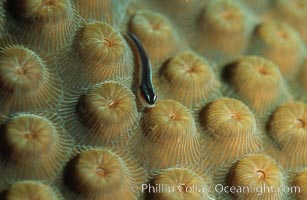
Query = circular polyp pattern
x=44 y=24
x=258 y=83
x=295 y=13
x=103 y=54
x=179 y=183
x=107 y=11
x=102 y=174
x=300 y=181
x=26 y=82
x=28 y=190
x=167 y=137
x=106 y=115
x=279 y=42
x=189 y=79
x=33 y=146
x=222 y=20
x=260 y=174
x=229 y=123
x=288 y=128
x=156 y=34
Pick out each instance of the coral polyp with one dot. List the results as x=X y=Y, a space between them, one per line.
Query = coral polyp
x=26 y=82
x=102 y=174
x=30 y=190
x=104 y=115
x=258 y=82
x=189 y=79
x=183 y=183
x=218 y=22
x=46 y=24
x=168 y=136
x=288 y=128
x=229 y=123
x=33 y=146
x=254 y=171
x=102 y=54
x=300 y=182
x=295 y=13
x=152 y=29
x=280 y=43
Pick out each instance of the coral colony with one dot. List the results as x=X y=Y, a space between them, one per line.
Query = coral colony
x=226 y=81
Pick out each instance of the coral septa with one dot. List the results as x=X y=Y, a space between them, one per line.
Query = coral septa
x=104 y=114
x=34 y=145
x=114 y=171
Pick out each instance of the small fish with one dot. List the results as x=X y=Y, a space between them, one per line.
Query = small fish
x=146 y=91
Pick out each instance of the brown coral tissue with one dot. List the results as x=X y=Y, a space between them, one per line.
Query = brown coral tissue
x=279 y=42
x=223 y=30
x=43 y=24
x=26 y=82
x=99 y=53
x=33 y=146
x=288 y=128
x=258 y=82
x=156 y=34
x=29 y=189
x=189 y=79
x=167 y=136
x=102 y=174
x=229 y=123
x=104 y=114
x=300 y=182
x=253 y=177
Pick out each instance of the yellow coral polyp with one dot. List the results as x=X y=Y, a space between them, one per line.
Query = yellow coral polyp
x=103 y=174
x=293 y=12
x=152 y=29
x=229 y=123
x=258 y=170
x=288 y=128
x=258 y=82
x=168 y=136
x=300 y=183
x=280 y=43
x=43 y=24
x=188 y=78
x=26 y=81
x=219 y=21
x=99 y=53
x=29 y=190
x=104 y=115
x=35 y=146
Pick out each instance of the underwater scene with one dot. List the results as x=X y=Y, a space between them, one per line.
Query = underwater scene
x=153 y=100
